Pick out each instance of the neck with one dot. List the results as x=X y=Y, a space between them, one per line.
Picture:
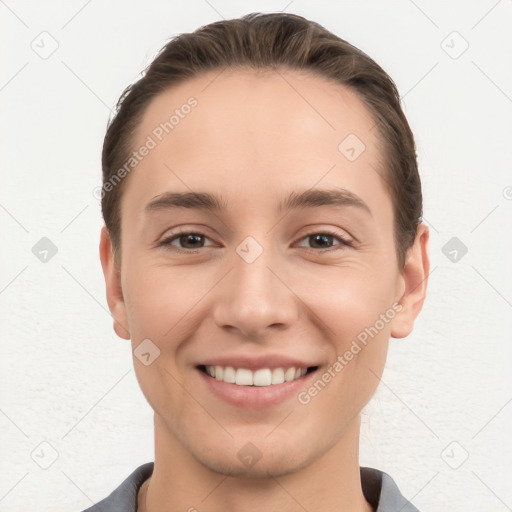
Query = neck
x=181 y=483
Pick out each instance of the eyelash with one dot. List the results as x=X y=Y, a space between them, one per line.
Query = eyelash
x=343 y=241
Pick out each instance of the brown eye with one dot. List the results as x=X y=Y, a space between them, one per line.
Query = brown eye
x=321 y=241
x=188 y=241
x=325 y=240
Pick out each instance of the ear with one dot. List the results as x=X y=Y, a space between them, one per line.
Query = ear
x=112 y=275
x=414 y=279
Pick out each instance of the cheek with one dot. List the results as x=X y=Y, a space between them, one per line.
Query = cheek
x=161 y=306
x=158 y=299
x=348 y=299
x=355 y=314
x=353 y=306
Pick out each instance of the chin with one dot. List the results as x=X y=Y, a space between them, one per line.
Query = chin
x=273 y=465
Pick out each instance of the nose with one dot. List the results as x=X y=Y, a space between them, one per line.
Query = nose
x=256 y=296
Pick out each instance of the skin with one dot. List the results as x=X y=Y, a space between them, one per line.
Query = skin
x=254 y=138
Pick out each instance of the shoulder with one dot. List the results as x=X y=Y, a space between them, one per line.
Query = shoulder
x=124 y=497
x=381 y=491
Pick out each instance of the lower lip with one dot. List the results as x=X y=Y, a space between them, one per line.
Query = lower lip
x=255 y=397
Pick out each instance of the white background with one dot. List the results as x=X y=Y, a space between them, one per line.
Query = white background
x=67 y=380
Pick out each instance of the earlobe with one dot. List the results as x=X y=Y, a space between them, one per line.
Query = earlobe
x=415 y=279
x=113 y=286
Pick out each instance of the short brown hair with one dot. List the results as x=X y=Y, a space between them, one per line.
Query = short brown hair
x=267 y=41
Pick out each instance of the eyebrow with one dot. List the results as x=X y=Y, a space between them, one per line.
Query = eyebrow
x=321 y=197
x=296 y=200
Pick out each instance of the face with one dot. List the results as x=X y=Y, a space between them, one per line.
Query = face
x=282 y=261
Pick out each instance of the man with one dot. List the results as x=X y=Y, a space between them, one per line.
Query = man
x=262 y=242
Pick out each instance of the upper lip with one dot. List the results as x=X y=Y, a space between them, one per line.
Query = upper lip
x=254 y=363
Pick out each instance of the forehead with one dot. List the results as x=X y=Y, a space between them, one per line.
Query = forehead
x=246 y=103
x=276 y=129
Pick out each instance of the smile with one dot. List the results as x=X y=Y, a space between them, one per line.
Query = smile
x=259 y=377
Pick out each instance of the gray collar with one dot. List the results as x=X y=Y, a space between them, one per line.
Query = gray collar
x=379 y=489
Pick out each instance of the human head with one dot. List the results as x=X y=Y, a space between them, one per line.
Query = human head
x=260 y=130
x=263 y=42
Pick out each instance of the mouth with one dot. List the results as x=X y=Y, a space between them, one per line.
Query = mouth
x=261 y=377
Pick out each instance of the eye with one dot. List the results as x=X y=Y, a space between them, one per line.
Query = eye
x=325 y=241
x=190 y=241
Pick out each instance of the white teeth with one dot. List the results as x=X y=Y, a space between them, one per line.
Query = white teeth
x=229 y=375
x=277 y=376
x=289 y=374
x=243 y=377
x=261 y=377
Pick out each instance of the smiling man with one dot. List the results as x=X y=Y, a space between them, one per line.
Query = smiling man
x=262 y=242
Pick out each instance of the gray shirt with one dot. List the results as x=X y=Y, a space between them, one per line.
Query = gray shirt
x=379 y=489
